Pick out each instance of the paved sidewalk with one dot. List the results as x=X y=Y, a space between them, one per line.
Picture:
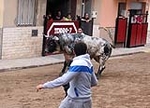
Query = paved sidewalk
x=6 y=65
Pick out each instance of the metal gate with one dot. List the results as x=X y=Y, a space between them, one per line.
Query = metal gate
x=120 y=33
x=137 y=30
x=132 y=32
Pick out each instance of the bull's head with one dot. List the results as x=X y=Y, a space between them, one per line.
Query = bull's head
x=62 y=42
x=52 y=43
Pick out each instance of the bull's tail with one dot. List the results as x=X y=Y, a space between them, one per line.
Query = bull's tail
x=112 y=45
x=110 y=36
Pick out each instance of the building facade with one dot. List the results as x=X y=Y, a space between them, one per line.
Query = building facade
x=22 y=23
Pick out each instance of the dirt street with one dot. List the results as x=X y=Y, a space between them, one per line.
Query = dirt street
x=125 y=83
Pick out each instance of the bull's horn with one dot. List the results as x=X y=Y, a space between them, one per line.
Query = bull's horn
x=45 y=35
x=56 y=38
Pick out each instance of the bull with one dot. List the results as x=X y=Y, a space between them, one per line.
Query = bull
x=99 y=49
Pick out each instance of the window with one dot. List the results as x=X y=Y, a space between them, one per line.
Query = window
x=122 y=9
x=26 y=12
x=86 y=7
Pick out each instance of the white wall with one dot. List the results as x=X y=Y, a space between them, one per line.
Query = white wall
x=19 y=43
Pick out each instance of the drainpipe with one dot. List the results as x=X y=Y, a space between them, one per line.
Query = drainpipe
x=148 y=20
x=1 y=43
x=83 y=8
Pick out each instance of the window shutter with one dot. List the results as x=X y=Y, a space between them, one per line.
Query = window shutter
x=26 y=12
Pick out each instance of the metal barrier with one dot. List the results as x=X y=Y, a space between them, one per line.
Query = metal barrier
x=137 y=31
x=131 y=32
x=121 y=29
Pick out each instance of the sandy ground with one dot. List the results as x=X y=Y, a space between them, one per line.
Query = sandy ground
x=125 y=83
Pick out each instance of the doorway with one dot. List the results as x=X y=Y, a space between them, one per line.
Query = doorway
x=86 y=7
x=131 y=30
x=65 y=6
x=53 y=6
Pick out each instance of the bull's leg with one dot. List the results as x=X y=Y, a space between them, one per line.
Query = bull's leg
x=101 y=60
x=67 y=62
x=65 y=66
x=66 y=86
x=100 y=70
x=63 y=69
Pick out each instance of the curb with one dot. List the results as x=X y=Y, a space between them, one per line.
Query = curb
x=34 y=66
x=27 y=67
x=128 y=54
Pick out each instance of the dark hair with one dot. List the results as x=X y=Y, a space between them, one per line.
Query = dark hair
x=80 y=48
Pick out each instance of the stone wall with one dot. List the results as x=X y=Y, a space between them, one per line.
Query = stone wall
x=18 y=42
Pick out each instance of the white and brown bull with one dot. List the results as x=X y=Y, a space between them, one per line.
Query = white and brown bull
x=99 y=49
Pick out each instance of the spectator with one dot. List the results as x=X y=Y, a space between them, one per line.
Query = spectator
x=80 y=77
x=80 y=31
x=68 y=18
x=58 y=16
x=86 y=18
x=86 y=24
x=49 y=17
